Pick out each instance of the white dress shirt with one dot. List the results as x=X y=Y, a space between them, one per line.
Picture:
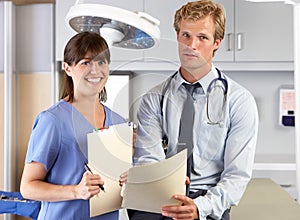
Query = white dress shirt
x=223 y=153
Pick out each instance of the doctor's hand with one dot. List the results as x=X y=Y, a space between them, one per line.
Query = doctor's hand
x=123 y=178
x=88 y=186
x=188 y=210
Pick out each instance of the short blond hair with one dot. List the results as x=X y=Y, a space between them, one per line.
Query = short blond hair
x=199 y=9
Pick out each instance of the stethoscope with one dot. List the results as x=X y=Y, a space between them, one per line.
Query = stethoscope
x=218 y=87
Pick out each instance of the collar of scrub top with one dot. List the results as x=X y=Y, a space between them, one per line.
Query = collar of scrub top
x=204 y=81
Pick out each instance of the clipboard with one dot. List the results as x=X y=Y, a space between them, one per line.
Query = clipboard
x=148 y=187
x=109 y=155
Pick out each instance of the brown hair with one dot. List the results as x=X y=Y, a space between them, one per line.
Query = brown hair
x=199 y=9
x=77 y=47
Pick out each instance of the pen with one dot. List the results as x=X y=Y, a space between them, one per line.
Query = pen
x=87 y=168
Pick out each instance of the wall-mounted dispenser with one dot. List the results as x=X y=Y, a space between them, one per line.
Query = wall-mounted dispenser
x=287 y=105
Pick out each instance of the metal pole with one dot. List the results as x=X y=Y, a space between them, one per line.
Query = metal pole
x=297 y=92
x=8 y=72
x=7 y=95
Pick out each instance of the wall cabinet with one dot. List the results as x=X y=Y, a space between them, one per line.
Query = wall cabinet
x=167 y=50
x=255 y=32
x=226 y=49
x=258 y=32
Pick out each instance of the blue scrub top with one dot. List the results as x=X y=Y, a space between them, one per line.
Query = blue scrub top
x=59 y=142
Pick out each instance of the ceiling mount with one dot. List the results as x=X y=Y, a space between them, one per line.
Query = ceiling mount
x=119 y=27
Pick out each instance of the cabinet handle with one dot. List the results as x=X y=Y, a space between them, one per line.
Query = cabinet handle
x=229 y=46
x=239 y=41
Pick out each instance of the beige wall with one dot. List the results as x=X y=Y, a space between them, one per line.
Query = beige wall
x=33 y=96
x=1 y=130
x=1 y=133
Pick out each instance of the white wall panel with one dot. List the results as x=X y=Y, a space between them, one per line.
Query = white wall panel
x=34 y=38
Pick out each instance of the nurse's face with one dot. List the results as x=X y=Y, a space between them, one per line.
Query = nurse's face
x=89 y=75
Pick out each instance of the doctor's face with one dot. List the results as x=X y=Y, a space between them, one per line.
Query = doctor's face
x=196 y=43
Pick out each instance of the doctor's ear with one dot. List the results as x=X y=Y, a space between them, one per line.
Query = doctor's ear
x=67 y=68
x=217 y=43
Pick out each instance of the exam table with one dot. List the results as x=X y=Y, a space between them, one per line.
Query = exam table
x=265 y=200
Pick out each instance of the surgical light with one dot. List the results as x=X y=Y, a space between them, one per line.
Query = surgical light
x=120 y=27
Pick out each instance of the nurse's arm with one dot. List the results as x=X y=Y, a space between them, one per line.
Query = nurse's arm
x=34 y=187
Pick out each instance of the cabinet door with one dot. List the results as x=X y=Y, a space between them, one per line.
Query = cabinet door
x=64 y=32
x=167 y=49
x=264 y=31
x=226 y=50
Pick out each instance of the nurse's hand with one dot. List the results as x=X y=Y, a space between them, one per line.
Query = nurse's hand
x=88 y=186
x=123 y=178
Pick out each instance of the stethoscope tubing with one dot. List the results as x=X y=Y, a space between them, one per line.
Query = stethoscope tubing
x=209 y=89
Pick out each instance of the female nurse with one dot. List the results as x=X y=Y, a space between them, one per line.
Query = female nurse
x=54 y=170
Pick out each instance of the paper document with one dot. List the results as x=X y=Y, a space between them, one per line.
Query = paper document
x=151 y=186
x=109 y=155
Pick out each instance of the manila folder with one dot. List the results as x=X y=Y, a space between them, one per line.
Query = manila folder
x=109 y=155
x=151 y=186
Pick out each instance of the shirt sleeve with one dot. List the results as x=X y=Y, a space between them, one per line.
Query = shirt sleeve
x=149 y=133
x=44 y=141
x=238 y=159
